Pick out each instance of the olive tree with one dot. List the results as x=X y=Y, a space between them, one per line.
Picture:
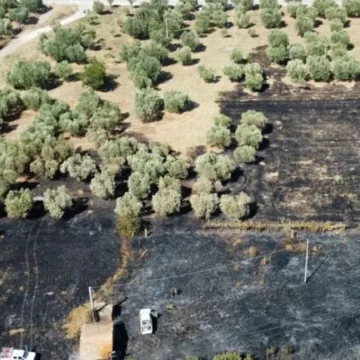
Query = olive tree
x=148 y=105
x=336 y=13
x=204 y=205
x=278 y=54
x=103 y=185
x=249 y=135
x=345 y=68
x=202 y=22
x=34 y=98
x=245 y=154
x=64 y=70
x=204 y=185
x=175 y=101
x=277 y=38
x=252 y=117
x=318 y=67
x=183 y=55
x=235 y=206
x=253 y=77
x=271 y=17
x=128 y=204
x=340 y=37
x=234 y=72
x=337 y=50
x=18 y=203
x=94 y=74
x=222 y=120
x=139 y=185
x=238 y=57
x=56 y=201
x=352 y=7
x=297 y=71
x=170 y=182
x=218 y=136
x=297 y=51
x=242 y=19
x=176 y=167
x=190 y=39
x=166 y=201
x=98 y=7
x=79 y=167
x=207 y=74
x=27 y=74
x=336 y=25
x=292 y=7
x=304 y=24
x=214 y=167
x=322 y=5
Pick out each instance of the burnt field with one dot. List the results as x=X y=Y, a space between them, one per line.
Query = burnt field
x=230 y=301
x=308 y=166
x=46 y=267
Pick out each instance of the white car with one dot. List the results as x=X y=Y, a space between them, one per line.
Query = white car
x=12 y=354
x=146 y=322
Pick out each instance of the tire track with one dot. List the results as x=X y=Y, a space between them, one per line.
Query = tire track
x=26 y=255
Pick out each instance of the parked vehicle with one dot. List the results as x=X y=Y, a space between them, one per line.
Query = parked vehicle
x=14 y=354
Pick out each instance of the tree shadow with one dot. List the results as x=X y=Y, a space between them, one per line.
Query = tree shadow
x=264 y=144
x=236 y=174
x=38 y=210
x=317 y=23
x=79 y=205
x=253 y=209
x=164 y=77
x=110 y=83
x=268 y=129
x=200 y=48
x=192 y=62
x=190 y=105
x=173 y=47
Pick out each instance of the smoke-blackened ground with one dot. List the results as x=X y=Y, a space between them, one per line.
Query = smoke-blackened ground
x=49 y=265
x=230 y=301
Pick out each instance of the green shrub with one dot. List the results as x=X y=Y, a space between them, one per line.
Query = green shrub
x=128 y=52
x=190 y=39
x=336 y=13
x=34 y=98
x=146 y=67
x=269 y=4
x=128 y=204
x=218 y=15
x=252 y=117
x=214 y=167
x=297 y=52
x=89 y=102
x=127 y=225
x=245 y=154
x=136 y=27
x=27 y=74
x=317 y=47
x=235 y=206
x=206 y=74
x=246 y=4
x=345 y=68
x=297 y=71
x=155 y=50
x=336 y=25
x=206 y=186
x=202 y=22
x=234 y=72
x=222 y=120
x=218 y=136
x=148 y=105
x=204 y=205
x=304 y=24
x=56 y=201
x=307 y=11
x=175 y=101
x=176 y=167
x=103 y=185
x=278 y=54
x=238 y=57
x=271 y=17
x=67 y=43
x=253 y=77
x=94 y=74
x=242 y=19
x=322 y=5
x=98 y=7
x=139 y=185
x=169 y=182
x=166 y=202
x=319 y=68
x=227 y=356
x=352 y=7
x=292 y=8
x=19 y=14
x=337 y=50
x=248 y=135
x=79 y=167
x=340 y=37
x=183 y=55
x=277 y=38
x=18 y=203
x=63 y=70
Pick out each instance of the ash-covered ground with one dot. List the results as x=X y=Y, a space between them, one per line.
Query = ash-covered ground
x=232 y=302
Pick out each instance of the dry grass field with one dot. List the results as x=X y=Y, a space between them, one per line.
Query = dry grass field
x=184 y=131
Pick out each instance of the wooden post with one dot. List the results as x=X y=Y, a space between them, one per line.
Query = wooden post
x=146 y=232
x=92 y=303
x=293 y=234
x=306 y=260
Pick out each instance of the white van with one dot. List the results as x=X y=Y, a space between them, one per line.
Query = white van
x=12 y=354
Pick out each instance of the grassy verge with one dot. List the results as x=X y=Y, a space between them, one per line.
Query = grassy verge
x=309 y=226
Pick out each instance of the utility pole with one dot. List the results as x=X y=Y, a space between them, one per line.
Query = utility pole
x=92 y=303
x=306 y=260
